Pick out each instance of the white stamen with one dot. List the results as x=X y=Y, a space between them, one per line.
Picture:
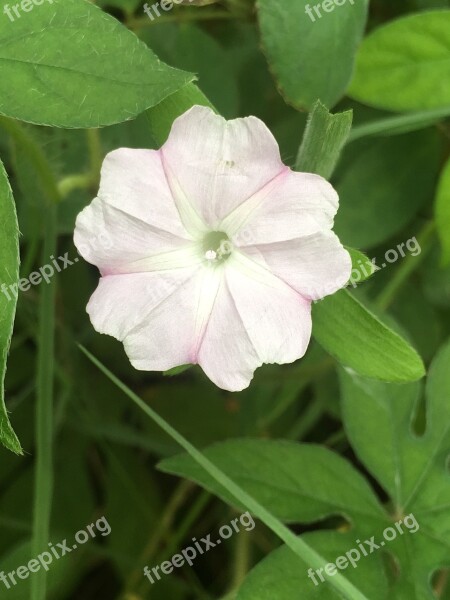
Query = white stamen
x=210 y=255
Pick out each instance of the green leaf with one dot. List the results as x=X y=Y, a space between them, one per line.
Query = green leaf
x=412 y=468
x=68 y=64
x=323 y=140
x=311 y=60
x=9 y=275
x=357 y=339
x=362 y=267
x=404 y=65
x=377 y=200
x=442 y=212
x=176 y=370
x=296 y=482
x=283 y=576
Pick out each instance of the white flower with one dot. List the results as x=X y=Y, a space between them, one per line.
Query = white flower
x=210 y=250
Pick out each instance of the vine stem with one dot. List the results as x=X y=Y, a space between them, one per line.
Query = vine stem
x=166 y=521
x=397 y=123
x=43 y=485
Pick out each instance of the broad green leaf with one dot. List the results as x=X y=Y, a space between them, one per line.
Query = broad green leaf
x=299 y=483
x=442 y=211
x=412 y=468
x=68 y=64
x=378 y=199
x=323 y=140
x=9 y=276
x=357 y=339
x=404 y=65
x=296 y=482
x=311 y=57
x=282 y=576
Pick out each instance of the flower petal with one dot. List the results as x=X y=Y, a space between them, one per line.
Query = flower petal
x=134 y=182
x=217 y=164
x=152 y=313
x=169 y=330
x=292 y=206
x=117 y=242
x=256 y=319
x=315 y=265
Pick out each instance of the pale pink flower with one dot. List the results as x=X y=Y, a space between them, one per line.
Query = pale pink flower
x=210 y=250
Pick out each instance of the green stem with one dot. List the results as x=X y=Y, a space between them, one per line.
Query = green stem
x=166 y=521
x=75 y=182
x=242 y=560
x=44 y=416
x=184 y=527
x=95 y=154
x=179 y=535
x=294 y=542
x=408 y=266
x=292 y=389
x=307 y=420
x=399 y=123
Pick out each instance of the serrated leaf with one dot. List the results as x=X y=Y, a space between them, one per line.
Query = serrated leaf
x=404 y=65
x=69 y=64
x=357 y=339
x=9 y=275
x=311 y=58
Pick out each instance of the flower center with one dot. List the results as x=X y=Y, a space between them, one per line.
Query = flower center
x=216 y=247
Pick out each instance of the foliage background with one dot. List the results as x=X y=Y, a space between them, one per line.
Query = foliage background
x=335 y=455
